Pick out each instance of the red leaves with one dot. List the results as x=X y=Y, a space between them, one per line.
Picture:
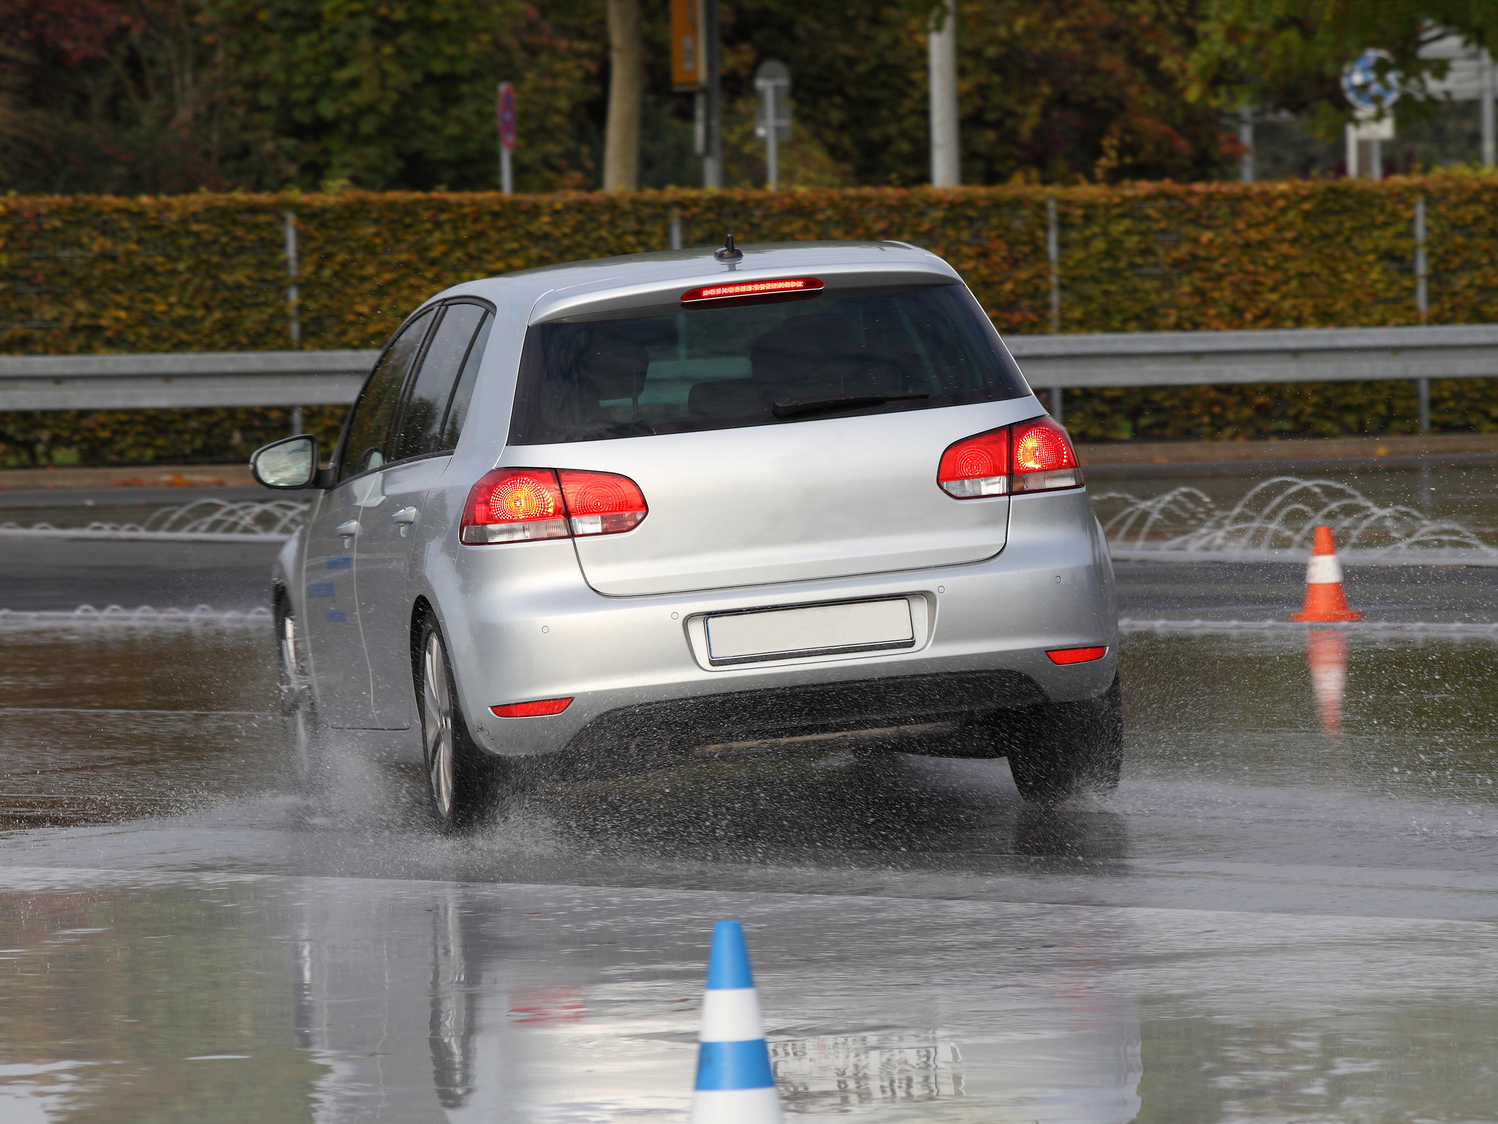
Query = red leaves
x=72 y=31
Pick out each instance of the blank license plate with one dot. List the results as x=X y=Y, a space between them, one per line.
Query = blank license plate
x=863 y=626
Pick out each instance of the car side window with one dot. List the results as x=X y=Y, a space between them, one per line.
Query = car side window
x=457 y=410
x=431 y=388
x=375 y=409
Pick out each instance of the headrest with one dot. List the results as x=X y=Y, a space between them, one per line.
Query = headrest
x=614 y=368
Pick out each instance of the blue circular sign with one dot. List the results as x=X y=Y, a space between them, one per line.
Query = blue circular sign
x=1365 y=89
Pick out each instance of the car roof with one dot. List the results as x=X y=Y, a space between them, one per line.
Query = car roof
x=584 y=287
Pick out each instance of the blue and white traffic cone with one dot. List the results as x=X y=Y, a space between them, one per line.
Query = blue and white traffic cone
x=734 y=1083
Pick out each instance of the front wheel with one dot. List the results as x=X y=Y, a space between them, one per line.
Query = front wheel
x=462 y=779
x=1064 y=749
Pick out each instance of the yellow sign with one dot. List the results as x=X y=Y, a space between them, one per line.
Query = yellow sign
x=688 y=71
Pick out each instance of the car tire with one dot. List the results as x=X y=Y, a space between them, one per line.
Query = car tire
x=463 y=782
x=301 y=739
x=1065 y=749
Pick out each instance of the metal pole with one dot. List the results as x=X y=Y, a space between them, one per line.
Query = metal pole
x=1352 y=152
x=293 y=290
x=1489 y=82
x=506 y=172
x=941 y=43
x=1246 y=139
x=712 y=160
x=1053 y=254
x=772 y=164
x=1422 y=270
x=1376 y=158
x=1422 y=305
x=675 y=234
x=293 y=305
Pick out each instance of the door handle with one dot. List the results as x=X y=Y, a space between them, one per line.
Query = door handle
x=350 y=529
x=405 y=516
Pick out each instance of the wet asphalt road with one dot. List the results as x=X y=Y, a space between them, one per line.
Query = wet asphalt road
x=60 y=574
x=1289 y=910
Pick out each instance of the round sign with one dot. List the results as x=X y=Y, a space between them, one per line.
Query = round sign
x=1365 y=90
x=506 y=112
x=772 y=72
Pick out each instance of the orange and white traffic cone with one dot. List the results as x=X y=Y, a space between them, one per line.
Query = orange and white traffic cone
x=1325 y=600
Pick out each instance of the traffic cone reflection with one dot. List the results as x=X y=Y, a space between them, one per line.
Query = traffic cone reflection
x=1325 y=600
x=734 y=1082
x=1326 y=657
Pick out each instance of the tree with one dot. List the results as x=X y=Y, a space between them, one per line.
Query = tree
x=401 y=94
x=136 y=96
x=110 y=96
x=1289 y=54
x=621 y=146
x=1050 y=90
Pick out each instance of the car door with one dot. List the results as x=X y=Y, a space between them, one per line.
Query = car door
x=340 y=668
x=391 y=533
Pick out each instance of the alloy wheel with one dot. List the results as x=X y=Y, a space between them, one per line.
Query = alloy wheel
x=295 y=721
x=437 y=725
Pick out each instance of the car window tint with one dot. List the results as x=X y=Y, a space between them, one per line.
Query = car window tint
x=724 y=368
x=426 y=402
x=457 y=411
x=375 y=409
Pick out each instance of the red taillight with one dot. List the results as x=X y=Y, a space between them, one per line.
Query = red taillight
x=523 y=504
x=513 y=505
x=1032 y=456
x=602 y=503
x=1077 y=655
x=751 y=292
x=977 y=466
x=531 y=709
x=1043 y=457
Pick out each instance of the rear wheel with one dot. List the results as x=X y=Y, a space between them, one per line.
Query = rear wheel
x=462 y=779
x=299 y=734
x=1064 y=749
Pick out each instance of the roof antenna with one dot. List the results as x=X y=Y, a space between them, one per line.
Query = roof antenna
x=729 y=254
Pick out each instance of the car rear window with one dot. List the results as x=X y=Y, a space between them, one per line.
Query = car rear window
x=766 y=364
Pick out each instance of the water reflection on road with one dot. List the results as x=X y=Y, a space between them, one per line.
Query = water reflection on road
x=1264 y=921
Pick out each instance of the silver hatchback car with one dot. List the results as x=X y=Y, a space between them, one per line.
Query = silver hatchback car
x=647 y=508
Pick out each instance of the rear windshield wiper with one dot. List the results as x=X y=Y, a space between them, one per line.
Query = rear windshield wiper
x=791 y=407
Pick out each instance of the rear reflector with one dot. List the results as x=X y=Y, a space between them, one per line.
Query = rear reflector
x=532 y=709
x=750 y=292
x=525 y=504
x=1077 y=655
x=1033 y=456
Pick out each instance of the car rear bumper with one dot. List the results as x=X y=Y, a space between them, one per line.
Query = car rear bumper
x=948 y=713
x=530 y=628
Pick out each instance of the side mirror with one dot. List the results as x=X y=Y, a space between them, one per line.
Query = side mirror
x=288 y=463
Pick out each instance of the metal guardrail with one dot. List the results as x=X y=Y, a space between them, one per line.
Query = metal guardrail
x=182 y=379
x=1054 y=362
x=1289 y=355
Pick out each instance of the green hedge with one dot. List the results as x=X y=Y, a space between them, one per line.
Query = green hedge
x=208 y=272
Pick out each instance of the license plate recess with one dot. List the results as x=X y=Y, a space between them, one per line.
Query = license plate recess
x=810 y=630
